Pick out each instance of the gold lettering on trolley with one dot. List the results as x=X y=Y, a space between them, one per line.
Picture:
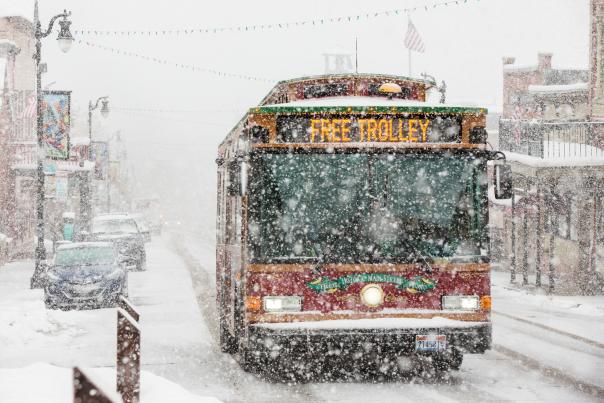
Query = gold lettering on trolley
x=394 y=130
x=424 y=125
x=345 y=129
x=413 y=130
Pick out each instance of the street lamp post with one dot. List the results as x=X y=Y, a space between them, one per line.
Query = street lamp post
x=104 y=113
x=64 y=39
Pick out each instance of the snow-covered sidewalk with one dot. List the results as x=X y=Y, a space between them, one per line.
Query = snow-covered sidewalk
x=563 y=335
x=580 y=315
x=172 y=346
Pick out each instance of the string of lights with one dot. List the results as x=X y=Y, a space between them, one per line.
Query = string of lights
x=190 y=67
x=276 y=26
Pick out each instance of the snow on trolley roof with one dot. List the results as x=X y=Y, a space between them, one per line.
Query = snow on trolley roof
x=364 y=103
x=356 y=75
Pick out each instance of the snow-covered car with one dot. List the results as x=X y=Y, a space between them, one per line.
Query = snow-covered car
x=122 y=230
x=85 y=274
x=143 y=225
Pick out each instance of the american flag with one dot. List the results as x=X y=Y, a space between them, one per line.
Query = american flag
x=412 y=40
x=31 y=107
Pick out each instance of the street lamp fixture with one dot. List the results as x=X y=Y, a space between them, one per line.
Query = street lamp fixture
x=104 y=112
x=105 y=108
x=65 y=39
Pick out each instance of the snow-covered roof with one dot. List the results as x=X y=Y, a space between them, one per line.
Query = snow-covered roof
x=69 y=214
x=558 y=88
x=77 y=245
x=363 y=101
x=112 y=217
x=516 y=68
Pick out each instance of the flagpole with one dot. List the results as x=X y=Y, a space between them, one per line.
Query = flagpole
x=356 y=55
x=409 y=48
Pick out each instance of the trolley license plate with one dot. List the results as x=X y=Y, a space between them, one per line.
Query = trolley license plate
x=430 y=342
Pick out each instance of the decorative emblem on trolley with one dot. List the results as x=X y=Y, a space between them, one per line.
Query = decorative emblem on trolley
x=414 y=285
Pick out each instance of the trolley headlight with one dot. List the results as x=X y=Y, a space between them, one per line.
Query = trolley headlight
x=372 y=295
x=460 y=302
x=282 y=303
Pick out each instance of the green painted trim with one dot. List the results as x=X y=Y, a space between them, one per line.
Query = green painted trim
x=369 y=109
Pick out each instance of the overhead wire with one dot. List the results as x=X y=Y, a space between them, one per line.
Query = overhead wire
x=185 y=66
x=273 y=26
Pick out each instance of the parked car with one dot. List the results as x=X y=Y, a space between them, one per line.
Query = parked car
x=85 y=274
x=122 y=230
x=143 y=225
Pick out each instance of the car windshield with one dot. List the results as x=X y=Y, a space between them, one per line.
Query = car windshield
x=84 y=256
x=114 y=227
x=367 y=207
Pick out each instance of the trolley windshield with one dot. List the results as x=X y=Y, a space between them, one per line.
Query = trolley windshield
x=363 y=207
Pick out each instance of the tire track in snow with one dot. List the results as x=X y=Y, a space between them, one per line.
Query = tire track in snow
x=551 y=329
x=551 y=372
x=241 y=381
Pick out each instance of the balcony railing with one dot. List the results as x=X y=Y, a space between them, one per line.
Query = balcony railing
x=552 y=140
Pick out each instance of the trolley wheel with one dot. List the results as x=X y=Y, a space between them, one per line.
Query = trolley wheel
x=450 y=360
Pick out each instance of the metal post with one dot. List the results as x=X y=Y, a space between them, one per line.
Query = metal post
x=89 y=127
x=513 y=257
x=525 y=246
x=539 y=249
x=40 y=253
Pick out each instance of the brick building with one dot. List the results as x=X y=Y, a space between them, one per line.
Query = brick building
x=67 y=182
x=551 y=132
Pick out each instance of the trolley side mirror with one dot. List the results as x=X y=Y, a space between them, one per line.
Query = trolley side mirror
x=503 y=181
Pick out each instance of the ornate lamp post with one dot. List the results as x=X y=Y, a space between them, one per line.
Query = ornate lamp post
x=64 y=39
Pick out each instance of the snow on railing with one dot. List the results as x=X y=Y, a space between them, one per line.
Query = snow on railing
x=552 y=140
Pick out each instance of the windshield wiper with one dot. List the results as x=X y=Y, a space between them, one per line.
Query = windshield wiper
x=422 y=256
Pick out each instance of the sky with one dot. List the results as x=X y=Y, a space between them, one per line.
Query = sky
x=172 y=153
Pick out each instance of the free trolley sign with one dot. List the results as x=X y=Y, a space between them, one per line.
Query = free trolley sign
x=358 y=129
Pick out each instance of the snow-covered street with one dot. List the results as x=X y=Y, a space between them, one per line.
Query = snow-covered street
x=178 y=321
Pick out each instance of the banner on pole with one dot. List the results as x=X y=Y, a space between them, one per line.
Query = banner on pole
x=56 y=123
x=100 y=156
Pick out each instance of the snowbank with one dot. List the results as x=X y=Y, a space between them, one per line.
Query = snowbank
x=45 y=383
